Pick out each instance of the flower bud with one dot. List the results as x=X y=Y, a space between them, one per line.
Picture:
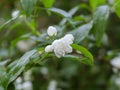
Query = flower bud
x=52 y=31
x=15 y=13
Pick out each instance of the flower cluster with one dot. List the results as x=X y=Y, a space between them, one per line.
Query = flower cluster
x=60 y=46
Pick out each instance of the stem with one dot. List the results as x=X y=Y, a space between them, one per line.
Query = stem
x=35 y=20
x=42 y=58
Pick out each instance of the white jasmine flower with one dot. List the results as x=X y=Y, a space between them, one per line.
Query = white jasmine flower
x=27 y=85
x=62 y=45
x=116 y=62
x=15 y=13
x=52 y=85
x=49 y=48
x=52 y=31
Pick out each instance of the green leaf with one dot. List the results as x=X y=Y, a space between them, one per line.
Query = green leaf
x=81 y=59
x=117 y=7
x=95 y=3
x=79 y=18
x=6 y=23
x=48 y=3
x=3 y=63
x=81 y=32
x=3 y=76
x=64 y=14
x=28 y=5
x=61 y=12
x=15 y=69
x=88 y=59
x=3 y=80
x=31 y=24
x=100 y=19
x=71 y=12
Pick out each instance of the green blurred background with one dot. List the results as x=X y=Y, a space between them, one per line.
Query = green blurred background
x=63 y=73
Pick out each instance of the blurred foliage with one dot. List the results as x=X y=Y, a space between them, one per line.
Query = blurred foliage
x=95 y=25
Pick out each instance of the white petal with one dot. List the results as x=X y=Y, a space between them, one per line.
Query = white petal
x=69 y=36
x=59 y=53
x=68 y=49
x=58 y=48
x=49 y=48
x=67 y=40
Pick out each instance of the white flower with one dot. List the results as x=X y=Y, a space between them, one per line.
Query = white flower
x=15 y=13
x=116 y=62
x=62 y=46
x=52 y=85
x=49 y=48
x=52 y=31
